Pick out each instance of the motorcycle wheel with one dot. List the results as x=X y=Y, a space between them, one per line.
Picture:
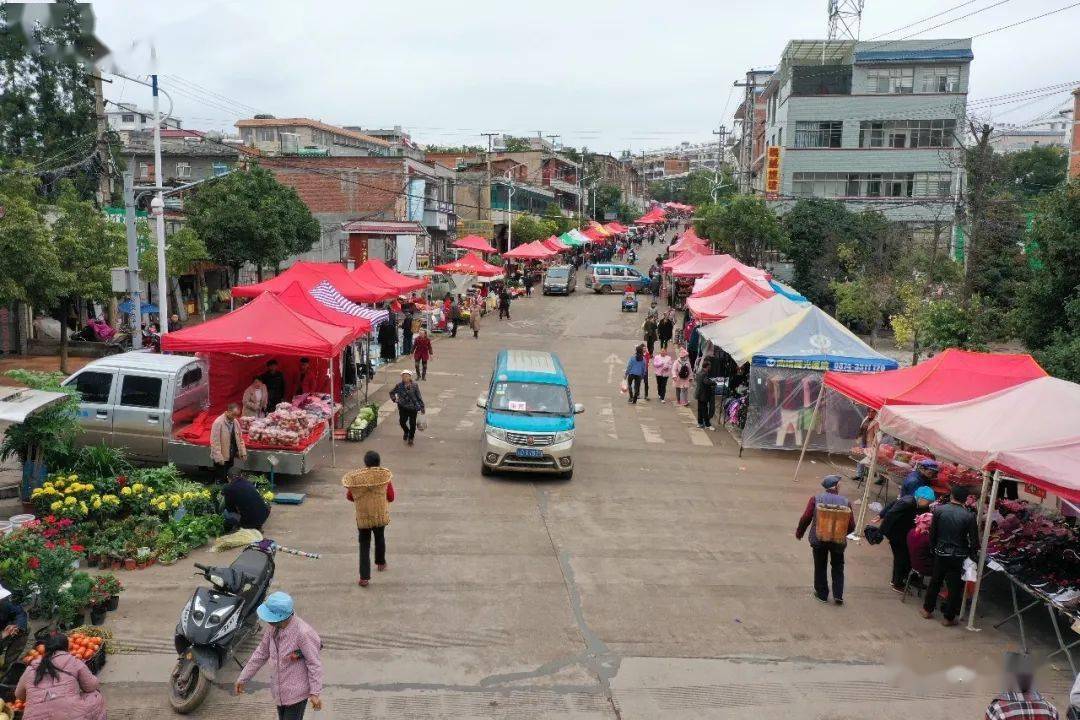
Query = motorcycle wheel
x=185 y=697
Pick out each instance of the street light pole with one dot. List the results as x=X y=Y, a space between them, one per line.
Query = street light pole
x=158 y=208
x=509 y=210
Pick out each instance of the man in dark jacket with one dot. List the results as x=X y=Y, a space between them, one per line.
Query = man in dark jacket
x=274 y=380
x=244 y=506
x=407 y=396
x=896 y=521
x=705 y=394
x=826 y=553
x=954 y=537
x=13 y=629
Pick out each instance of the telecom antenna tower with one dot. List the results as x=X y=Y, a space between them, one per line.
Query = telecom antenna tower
x=845 y=19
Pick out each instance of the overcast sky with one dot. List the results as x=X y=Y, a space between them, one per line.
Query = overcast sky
x=609 y=75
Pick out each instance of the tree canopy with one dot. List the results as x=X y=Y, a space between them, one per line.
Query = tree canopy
x=248 y=216
x=695 y=188
x=744 y=227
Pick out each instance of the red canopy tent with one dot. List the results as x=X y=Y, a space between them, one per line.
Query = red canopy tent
x=554 y=243
x=685 y=256
x=365 y=276
x=615 y=227
x=470 y=264
x=392 y=278
x=474 y=242
x=739 y=297
x=688 y=239
x=302 y=301
x=535 y=250
x=951 y=376
x=701 y=265
x=726 y=279
x=266 y=325
x=309 y=274
x=593 y=234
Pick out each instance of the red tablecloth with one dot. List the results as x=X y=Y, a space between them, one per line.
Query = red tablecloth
x=198 y=433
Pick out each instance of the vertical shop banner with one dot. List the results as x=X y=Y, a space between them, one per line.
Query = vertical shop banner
x=417 y=187
x=772 y=173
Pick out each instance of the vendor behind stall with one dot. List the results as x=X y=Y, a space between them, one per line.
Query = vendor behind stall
x=308 y=381
x=13 y=629
x=274 y=380
x=922 y=476
x=255 y=398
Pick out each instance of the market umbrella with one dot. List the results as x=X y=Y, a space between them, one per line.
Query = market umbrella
x=474 y=242
x=470 y=264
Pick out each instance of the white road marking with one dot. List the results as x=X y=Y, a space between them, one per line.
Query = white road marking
x=607 y=417
x=652 y=435
x=699 y=436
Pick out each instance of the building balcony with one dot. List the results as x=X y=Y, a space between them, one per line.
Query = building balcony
x=564 y=187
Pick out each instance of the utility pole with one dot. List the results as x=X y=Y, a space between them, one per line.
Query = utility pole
x=132 y=261
x=479 y=202
x=553 y=138
x=104 y=191
x=721 y=134
x=158 y=208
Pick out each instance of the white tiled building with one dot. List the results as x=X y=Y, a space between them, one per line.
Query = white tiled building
x=872 y=123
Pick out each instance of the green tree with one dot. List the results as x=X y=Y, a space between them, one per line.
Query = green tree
x=249 y=217
x=744 y=227
x=1035 y=171
x=527 y=228
x=857 y=304
x=606 y=198
x=815 y=229
x=183 y=250
x=695 y=188
x=1047 y=311
x=46 y=92
x=516 y=144
x=88 y=246
x=965 y=324
x=29 y=272
x=560 y=223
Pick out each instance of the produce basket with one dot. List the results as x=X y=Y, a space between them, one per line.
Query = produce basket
x=357 y=434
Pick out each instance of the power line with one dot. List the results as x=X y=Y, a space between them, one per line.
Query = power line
x=920 y=22
x=955 y=19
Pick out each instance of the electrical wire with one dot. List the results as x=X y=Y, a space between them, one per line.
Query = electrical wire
x=956 y=19
x=925 y=19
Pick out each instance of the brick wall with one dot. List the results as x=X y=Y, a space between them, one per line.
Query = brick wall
x=371 y=187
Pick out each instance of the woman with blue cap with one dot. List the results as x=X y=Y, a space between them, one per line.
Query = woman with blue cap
x=897 y=519
x=292 y=647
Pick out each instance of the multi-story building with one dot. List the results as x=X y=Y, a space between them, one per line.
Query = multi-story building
x=306 y=137
x=127 y=118
x=748 y=147
x=874 y=124
x=1047 y=133
x=678 y=160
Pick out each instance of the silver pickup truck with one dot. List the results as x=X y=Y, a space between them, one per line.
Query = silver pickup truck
x=139 y=402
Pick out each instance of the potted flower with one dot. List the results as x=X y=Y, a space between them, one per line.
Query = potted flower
x=110 y=588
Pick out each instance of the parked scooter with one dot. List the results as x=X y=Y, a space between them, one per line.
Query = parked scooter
x=218 y=618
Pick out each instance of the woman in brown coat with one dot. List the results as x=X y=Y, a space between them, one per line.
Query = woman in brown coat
x=371 y=492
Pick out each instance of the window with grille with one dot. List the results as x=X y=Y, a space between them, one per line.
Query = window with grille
x=883 y=185
x=906 y=133
x=890 y=81
x=818 y=134
x=264 y=134
x=941 y=80
x=183 y=170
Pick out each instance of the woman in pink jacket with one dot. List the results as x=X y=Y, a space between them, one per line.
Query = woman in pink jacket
x=682 y=375
x=662 y=363
x=59 y=686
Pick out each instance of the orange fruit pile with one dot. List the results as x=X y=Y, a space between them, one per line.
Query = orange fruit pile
x=81 y=646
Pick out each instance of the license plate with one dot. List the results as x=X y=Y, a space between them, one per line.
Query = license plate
x=529 y=452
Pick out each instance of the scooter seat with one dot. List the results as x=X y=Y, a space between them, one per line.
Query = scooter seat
x=252 y=563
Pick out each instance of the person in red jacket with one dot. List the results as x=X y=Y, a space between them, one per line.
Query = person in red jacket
x=422 y=352
x=370 y=490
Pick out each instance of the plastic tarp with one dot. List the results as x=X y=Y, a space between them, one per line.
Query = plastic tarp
x=736 y=299
x=780 y=414
x=726 y=333
x=809 y=339
x=392 y=278
x=1030 y=431
x=535 y=250
x=303 y=302
x=474 y=242
x=948 y=377
x=265 y=325
x=735 y=273
x=701 y=265
x=309 y=275
x=470 y=264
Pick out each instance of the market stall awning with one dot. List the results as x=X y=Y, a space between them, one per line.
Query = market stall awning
x=470 y=264
x=726 y=333
x=570 y=240
x=535 y=250
x=266 y=325
x=616 y=228
x=310 y=274
x=685 y=240
x=600 y=229
x=554 y=243
x=810 y=339
x=701 y=265
x=1030 y=431
x=326 y=294
x=948 y=377
x=672 y=263
x=392 y=278
x=734 y=273
x=474 y=242
x=592 y=234
x=581 y=237
x=303 y=302
x=735 y=300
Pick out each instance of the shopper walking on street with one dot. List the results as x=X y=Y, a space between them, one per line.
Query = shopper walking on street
x=649 y=331
x=954 y=537
x=407 y=329
x=704 y=393
x=504 y=303
x=825 y=517
x=635 y=371
x=682 y=376
x=422 y=352
x=474 y=316
x=897 y=520
x=293 y=650
x=407 y=396
x=455 y=315
x=371 y=491
x=665 y=329
x=1020 y=701
x=662 y=365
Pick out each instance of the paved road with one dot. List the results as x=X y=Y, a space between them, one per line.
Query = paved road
x=663 y=581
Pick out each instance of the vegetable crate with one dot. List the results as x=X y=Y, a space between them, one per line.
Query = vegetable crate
x=357 y=434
